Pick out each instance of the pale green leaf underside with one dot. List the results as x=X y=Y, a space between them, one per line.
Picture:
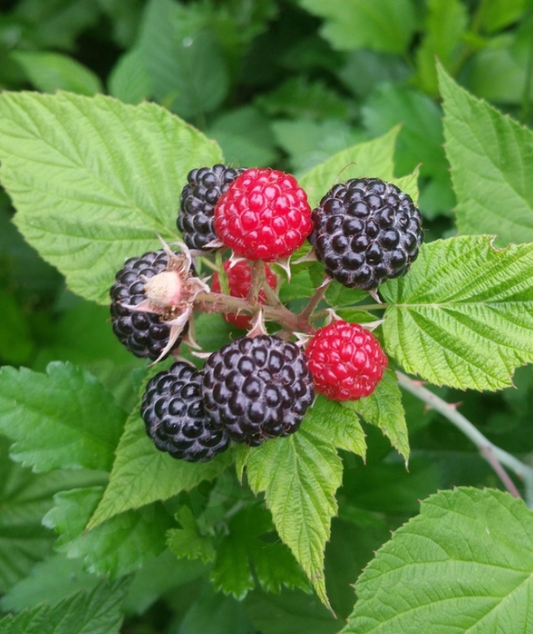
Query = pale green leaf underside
x=384 y=409
x=142 y=474
x=62 y=419
x=463 y=316
x=465 y=564
x=491 y=158
x=93 y=179
x=299 y=476
x=371 y=159
x=93 y=612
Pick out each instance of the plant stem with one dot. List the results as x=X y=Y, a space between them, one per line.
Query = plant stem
x=493 y=454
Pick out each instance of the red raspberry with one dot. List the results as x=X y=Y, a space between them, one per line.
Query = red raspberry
x=264 y=215
x=239 y=280
x=346 y=361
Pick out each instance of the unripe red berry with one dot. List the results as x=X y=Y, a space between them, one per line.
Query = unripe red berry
x=346 y=361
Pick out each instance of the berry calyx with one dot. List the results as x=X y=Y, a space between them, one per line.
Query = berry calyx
x=239 y=282
x=152 y=300
x=257 y=388
x=175 y=418
x=264 y=215
x=198 y=199
x=346 y=361
x=366 y=231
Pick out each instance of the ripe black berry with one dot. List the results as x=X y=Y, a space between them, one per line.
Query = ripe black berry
x=365 y=232
x=175 y=419
x=198 y=200
x=257 y=388
x=143 y=333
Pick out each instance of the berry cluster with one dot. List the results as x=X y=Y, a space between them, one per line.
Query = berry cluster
x=259 y=386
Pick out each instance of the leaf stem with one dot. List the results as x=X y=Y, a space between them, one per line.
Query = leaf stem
x=494 y=455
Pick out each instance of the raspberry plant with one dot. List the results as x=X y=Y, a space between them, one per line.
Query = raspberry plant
x=271 y=520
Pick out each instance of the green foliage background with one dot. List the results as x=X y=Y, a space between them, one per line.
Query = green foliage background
x=325 y=90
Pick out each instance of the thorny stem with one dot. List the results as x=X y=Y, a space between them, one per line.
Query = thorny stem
x=315 y=300
x=495 y=456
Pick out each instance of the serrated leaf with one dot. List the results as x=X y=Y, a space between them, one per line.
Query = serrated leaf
x=94 y=179
x=272 y=561
x=162 y=475
x=24 y=499
x=408 y=184
x=387 y=26
x=371 y=158
x=62 y=419
x=463 y=315
x=465 y=564
x=49 y=72
x=299 y=476
x=491 y=158
x=183 y=57
x=187 y=540
x=334 y=422
x=114 y=548
x=129 y=80
x=94 y=612
x=384 y=409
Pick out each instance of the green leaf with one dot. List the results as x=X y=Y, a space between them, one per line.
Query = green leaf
x=116 y=547
x=420 y=139
x=162 y=475
x=50 y=580
x=498 y=14
x=384 y=409
x=463 y=316
x=93 y=179
x=491 y=160
x=372 y=157
x=245 y=137
x=187 y=540
x=385 y=26
x=215 y=613
x=299 y=97
x=445 y=25
x=129 y=80
x=83 y=335
x=247 y=544
x=500 y=72
x=339 y=295
x=94 y=612
x=49 y=72
x=476 y=544
x=338 y=424
x=24 y=499
x=62 y=419
x=299 y=476
x=183 y=58
x=15 y=340
x=310 y=142
x=290 y=613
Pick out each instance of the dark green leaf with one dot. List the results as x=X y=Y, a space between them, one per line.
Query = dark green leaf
x=93 y=612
